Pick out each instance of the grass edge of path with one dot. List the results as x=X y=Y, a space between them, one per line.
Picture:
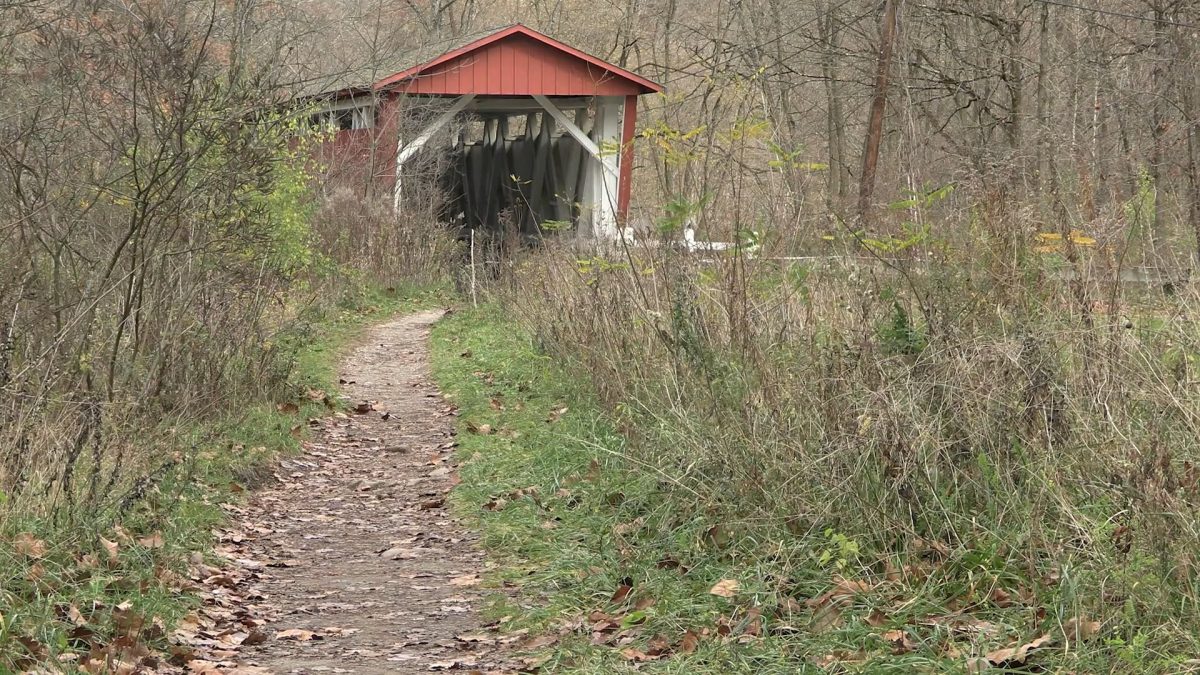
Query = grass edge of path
x=67 y=587
x=600 y=562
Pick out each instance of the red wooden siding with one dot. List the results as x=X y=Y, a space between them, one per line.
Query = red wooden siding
x=518 y=65
x=624 y=182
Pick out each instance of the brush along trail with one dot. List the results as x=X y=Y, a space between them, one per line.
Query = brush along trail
x=349 y=561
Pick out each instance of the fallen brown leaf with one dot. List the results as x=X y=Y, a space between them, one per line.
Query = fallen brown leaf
x=899 y=642
x=539 y=642
x=532 y=664
x=827 y=617
x=753 y=622
x=843 y=590
x=718 y=536
x=203 y=667
x=671 y=564
x=622 y=592
x=298 y=634
x=127 y=621
x=631 y=654
x=1079 y=630
x=36 y=572
x=71 y=614
x=1000 y=597
x=689 y=642
x=658 y=646
x=976 y=665
x=110 y=548
x=154 y=540
x=725 y=588
x=1017 y=655
x=27 y=545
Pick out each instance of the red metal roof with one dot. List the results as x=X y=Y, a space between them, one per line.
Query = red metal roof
x=517 y=61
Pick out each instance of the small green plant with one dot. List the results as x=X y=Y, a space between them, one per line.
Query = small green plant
x=912 y=235
x=841 y=551
x=899 y=335
x=790 y=159
x=556 y=225
x=1133 y=652
x=288 y=204
x=797 y=278
x=923 y=198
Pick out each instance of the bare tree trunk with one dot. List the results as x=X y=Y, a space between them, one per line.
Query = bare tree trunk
x=835 y=196
x=1043 y=99
x=887 y=40
x=1191 y=110
x=1194 y=184
x=1158 y=123
x=1013 y=76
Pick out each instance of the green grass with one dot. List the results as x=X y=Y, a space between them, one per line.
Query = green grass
x=174 y=512
x=570 y=515
x=579 y=520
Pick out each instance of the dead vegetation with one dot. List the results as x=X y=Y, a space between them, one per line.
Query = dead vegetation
x=964 y=429
x=162 y=287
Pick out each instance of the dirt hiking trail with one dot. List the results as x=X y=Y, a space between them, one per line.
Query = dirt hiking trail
x=351 y=562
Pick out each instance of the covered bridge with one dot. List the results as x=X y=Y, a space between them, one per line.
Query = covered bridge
x=544 y=130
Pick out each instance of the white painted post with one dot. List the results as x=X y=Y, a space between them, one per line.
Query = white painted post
x=474 y=301
x=607 y=135
x=589 y=168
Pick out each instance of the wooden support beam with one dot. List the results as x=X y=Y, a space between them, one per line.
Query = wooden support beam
x=442 y=120
x=575 y=132
x=405 y=152
x=523 y=104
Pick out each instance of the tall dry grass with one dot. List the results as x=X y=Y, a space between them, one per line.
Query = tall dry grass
x=1024 y=414
x=366 y=236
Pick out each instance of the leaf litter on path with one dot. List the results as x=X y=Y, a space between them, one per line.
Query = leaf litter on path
x=318 y=568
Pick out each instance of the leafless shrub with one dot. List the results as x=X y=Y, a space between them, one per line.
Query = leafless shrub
x=154 y=238
x=368 y=236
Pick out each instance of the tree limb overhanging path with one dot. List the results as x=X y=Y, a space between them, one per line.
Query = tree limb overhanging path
x=350 y=562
